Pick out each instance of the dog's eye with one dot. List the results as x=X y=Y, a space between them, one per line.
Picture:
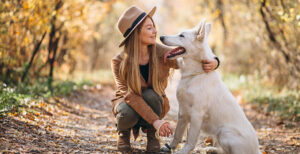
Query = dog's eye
x=181 y=35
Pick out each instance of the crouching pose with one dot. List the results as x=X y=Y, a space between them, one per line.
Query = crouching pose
x=141 y=74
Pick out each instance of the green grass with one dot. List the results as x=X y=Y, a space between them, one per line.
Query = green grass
x=13 y=96
x=283 y=103
x=9 y=98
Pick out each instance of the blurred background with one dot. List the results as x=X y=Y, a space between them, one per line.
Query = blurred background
x=53 y=47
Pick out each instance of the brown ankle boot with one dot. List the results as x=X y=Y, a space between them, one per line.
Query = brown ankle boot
x=152 y=142
x=123 y=143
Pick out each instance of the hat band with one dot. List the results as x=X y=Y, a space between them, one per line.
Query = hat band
x=136 y=21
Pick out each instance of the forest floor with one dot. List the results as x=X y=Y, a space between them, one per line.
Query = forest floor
x=83 y=122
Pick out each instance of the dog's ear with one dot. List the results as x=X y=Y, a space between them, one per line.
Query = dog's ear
x=207 y=29
x=200 y=33
x=200 y=26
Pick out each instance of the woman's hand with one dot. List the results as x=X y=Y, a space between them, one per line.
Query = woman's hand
x=165 y=130
x=209 y=65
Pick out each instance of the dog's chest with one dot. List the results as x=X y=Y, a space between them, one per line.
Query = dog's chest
x=186 y=94
x=185 y=97
x=195 y=92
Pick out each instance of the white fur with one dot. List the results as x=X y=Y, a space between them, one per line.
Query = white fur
x=205 y=102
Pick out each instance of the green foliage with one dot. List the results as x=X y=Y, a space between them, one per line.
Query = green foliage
x=37 y=89
x=11 y=97
x=284 y=103
x=66 y=87
x=288 y=107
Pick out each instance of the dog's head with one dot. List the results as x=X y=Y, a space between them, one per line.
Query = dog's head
x=189 y=42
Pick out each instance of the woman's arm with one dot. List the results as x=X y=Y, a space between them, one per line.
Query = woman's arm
x=137 y=102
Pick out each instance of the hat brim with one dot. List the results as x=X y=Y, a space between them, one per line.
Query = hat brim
x=150 y=13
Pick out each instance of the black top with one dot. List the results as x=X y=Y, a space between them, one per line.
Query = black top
x=144 y=70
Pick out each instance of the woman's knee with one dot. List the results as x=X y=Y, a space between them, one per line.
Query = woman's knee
x=126 y=117
x=153 y=100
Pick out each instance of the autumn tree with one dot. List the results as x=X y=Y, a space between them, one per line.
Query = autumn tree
x=38 y=37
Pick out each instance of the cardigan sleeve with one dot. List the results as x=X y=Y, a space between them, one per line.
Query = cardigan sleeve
x=135 y=101
x=121 y=87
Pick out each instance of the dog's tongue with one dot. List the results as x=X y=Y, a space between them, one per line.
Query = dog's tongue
x=166 y=54
x=165 y=57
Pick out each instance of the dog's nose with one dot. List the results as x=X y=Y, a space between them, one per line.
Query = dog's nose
x=162 y=38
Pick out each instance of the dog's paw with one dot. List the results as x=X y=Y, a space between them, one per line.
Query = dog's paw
x=211 y=150
x=165 y=149
x=182 y=152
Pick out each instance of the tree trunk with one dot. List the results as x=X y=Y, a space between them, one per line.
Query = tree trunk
x=220 y=6
x=53 y=44
x=35 y=51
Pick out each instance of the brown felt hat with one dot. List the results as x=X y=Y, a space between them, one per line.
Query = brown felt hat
x=130 y=19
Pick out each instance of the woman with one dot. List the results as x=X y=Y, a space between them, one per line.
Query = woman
x=141 y=76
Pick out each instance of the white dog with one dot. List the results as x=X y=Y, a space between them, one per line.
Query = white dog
x=204 y=101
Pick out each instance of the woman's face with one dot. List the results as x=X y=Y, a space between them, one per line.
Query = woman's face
x=148 y=32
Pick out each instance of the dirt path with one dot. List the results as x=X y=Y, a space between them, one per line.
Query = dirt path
x=83 y=122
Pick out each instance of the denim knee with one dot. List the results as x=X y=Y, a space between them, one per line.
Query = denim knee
x=153 y=100
x=126 y=117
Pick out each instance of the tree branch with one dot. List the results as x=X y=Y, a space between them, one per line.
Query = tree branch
x=270 y=32
x=35 y=51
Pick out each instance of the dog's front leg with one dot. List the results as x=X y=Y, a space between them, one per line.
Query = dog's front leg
x=179 y=131
x=193 y=134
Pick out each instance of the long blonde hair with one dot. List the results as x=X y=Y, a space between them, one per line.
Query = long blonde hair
x=129 y=69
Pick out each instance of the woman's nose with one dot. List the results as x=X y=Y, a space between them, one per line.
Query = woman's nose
x=154 y=31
